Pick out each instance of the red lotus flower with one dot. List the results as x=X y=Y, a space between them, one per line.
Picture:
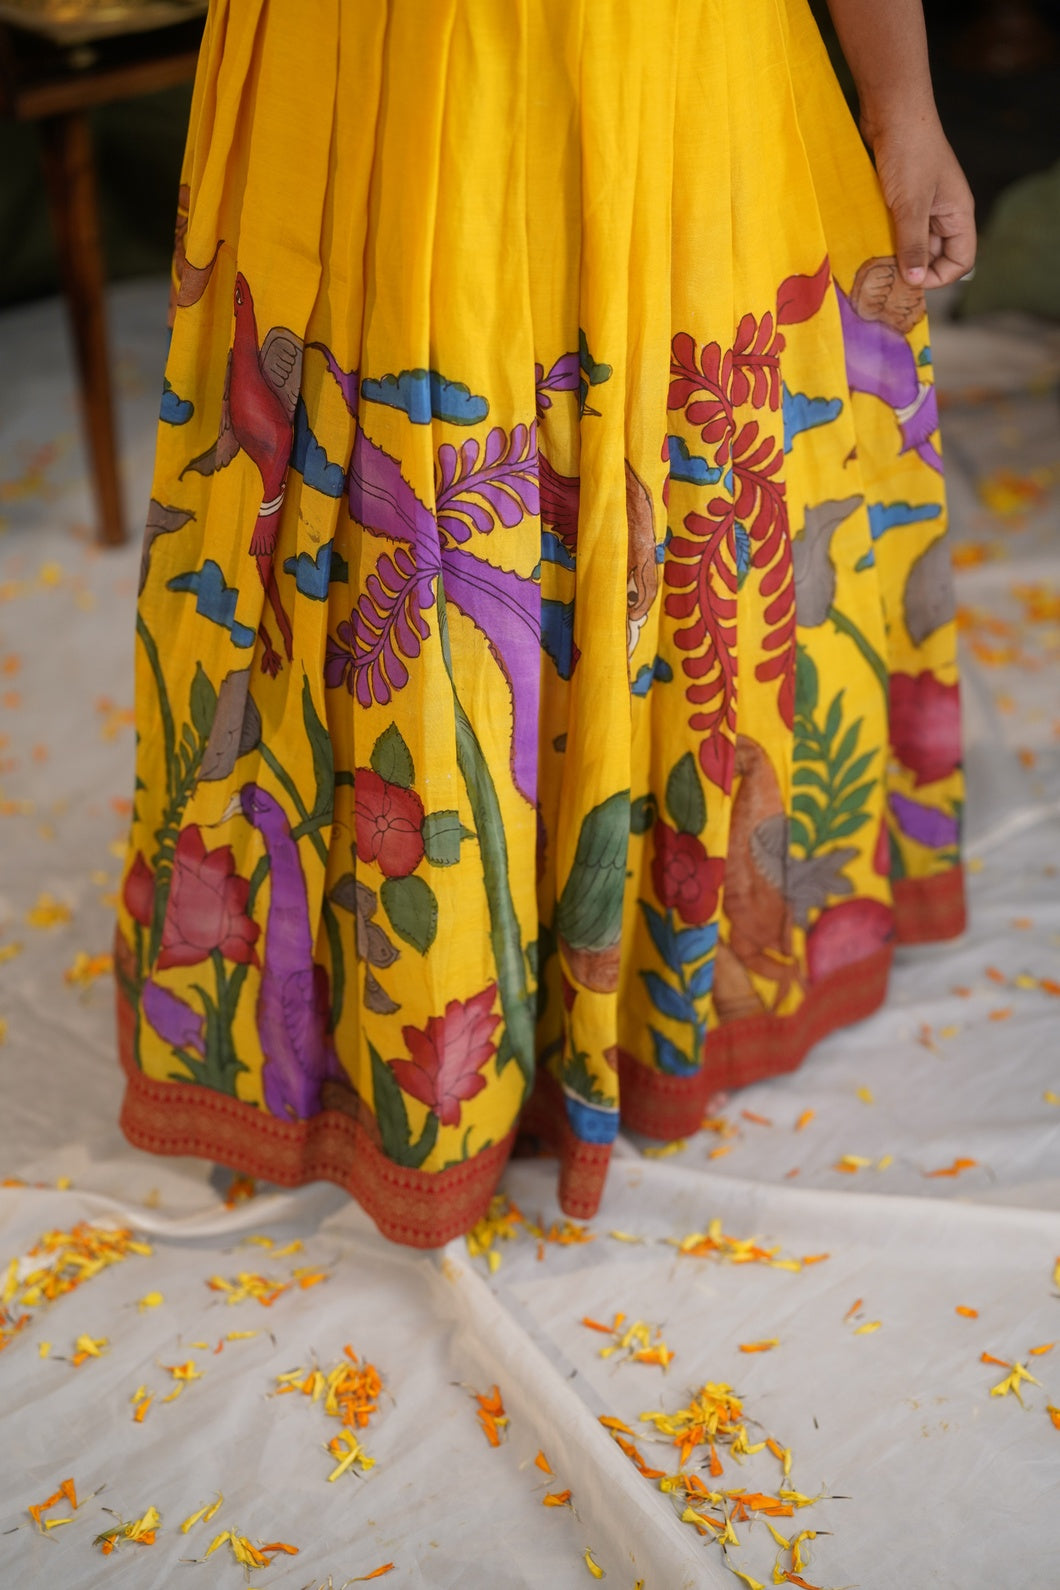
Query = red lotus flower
x=684 y=875
x=138 y=891
x=925 y=725
x=448 y=1054
x=389 y=824
x=207 y=906
x=846 y=933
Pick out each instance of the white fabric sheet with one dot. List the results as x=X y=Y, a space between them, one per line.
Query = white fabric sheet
x=924 y=1477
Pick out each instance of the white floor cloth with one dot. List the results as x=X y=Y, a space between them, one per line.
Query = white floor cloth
x=925 y=1478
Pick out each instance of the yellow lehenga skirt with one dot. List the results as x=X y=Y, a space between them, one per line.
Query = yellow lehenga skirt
x=546 y=696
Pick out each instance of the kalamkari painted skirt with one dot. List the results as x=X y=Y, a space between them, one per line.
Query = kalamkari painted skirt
x=546 y=691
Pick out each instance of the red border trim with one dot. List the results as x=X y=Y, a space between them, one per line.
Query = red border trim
x=422 y=1209
x=742 y=1052
x=926 y=909
x=425 y=1209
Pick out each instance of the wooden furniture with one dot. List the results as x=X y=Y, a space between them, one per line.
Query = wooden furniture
x=53 y=72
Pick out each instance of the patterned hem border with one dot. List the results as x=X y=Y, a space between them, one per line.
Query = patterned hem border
x=746 y=1051
x=424 y=1209
x=418 y=1208
x=926 y=909
x=544 y=1128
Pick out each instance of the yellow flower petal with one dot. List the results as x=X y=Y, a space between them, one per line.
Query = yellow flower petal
x=870 y=1325
x=593 y=1566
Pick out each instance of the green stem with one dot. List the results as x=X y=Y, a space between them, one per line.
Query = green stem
x=338 y=963
x=505 y=935
x=228 y=1064
x=281 y=775
x=847 y=627
x=168 y=732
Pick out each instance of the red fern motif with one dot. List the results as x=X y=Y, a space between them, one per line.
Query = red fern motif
x=710 y=386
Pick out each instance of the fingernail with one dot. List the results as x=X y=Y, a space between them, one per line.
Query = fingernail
x=915 y=275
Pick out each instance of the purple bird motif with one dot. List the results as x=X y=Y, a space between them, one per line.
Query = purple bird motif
x=876 y=319
x=292 y=994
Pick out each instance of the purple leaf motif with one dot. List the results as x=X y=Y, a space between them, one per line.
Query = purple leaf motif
x=926 y=824
x=175 y=1022
x=473 y=493
x=346 y=380
x=386 y=624
x=564 y=376
x=382 y=500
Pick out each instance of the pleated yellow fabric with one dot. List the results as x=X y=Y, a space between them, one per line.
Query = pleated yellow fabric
x=546 y=685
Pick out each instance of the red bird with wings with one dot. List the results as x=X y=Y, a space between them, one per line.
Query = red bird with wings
x=257 y=418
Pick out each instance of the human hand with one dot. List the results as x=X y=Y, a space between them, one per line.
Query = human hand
x=929 y=199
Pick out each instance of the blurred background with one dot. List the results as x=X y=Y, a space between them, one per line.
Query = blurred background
x=997 y=76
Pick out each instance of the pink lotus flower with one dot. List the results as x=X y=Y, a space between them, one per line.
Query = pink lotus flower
x=683 y=875
x=448 y=1054
x=925 y=725
x=847 y=933
x=207 y=904
x=138 y=891
x=389 y=824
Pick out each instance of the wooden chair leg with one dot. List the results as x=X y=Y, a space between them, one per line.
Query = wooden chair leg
x=70 y=175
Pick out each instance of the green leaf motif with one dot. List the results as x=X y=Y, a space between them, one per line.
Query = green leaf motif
x=642 y=813
x=806 y=682
x=323 y=757
x=833 y=797
x=684 y=797
x=392 y=759
x=589 y=913
x=441 y=838
x=203 y=702
x=412 y=907
x=392 y=1118
x=577 y=1076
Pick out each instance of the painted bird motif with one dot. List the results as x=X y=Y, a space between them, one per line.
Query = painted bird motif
x=293 y=991
x=257 y=418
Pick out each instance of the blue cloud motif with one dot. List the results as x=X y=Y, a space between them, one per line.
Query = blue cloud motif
x=553 y=550
x=661 y=546
x=214 y=599
x=884 y=516
x=557 y=634
x=803 y=413
x=743 y=550
x=589 y=1122
x=313 y=575
x=685 y=466
x=425 y=395
x=647 y=674
x=174 y=410
x=311 y=461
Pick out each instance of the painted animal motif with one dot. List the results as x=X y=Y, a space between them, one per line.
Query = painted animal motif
x=755 y=902
x=292 y=993
x=643 y=570
x=876 y=318
x=257 y=418
x=560 y=496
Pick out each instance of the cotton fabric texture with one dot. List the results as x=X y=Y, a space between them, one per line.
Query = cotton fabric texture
x=546 y=695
